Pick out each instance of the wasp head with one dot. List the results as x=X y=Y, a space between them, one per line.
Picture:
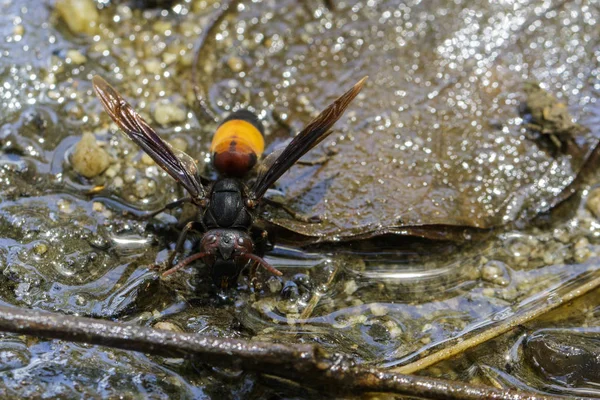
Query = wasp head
x=228 y=252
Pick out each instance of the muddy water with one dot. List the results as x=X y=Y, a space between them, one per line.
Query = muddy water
x=435 y=146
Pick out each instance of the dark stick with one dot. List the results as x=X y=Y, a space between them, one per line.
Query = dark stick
x=309 y=364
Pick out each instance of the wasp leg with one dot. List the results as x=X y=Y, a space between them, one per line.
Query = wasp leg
x=263 y=263
x=145 y=215
x=556 y=141
x=329 y=152
x=253 y=277
x=181 y=241
x=309 y=220
x=317 y=161
x=183 y=263
x=261 y=243
x=170 y=206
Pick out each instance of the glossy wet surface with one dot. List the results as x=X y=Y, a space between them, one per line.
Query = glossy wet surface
x=436 y=145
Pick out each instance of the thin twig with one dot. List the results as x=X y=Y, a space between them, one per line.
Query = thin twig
x=308 y=364
x=506 y=325
x=198 y=49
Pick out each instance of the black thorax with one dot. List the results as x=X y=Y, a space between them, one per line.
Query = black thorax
x=227 y=208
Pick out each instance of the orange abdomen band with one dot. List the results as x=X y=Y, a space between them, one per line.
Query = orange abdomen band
x=236 y=147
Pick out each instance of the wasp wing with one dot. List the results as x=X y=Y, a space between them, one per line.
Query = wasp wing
x=179 y=165
x=276 y=164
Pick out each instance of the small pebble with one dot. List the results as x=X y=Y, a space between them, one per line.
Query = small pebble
x=582 y=255
x=147 y=160
x=236 y=64
x=169 y=58
x=393 y=329
x=561 y=235
x=40 y=249
x=153 y=66
x=582 y=250
x=521 y=253
x=489 y=272
x=274 y=284
x=167 y=113
x=81 y=16
x=350 y=287
x=50 y=79
x=187 y=60
x=378 y=310
x=97 y=206
x=555 y=254
x=167 y=326
x=111 y=172
x=302 y=99
x=80 y=300
x=144 y=188
x=179 y=144
x=509 y=294
x=19 y=30
x=130 y=175
x=356 y=302
x=89 y=159
x=64 y=206
x=117 y=183
x=162 y=27
x=76 y=57
x=494 y=272
x=582 y=243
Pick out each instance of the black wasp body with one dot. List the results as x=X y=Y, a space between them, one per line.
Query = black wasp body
x=228 y=205
x=227 y=221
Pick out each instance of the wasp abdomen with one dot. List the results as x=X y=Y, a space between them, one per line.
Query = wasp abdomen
x=238 y=143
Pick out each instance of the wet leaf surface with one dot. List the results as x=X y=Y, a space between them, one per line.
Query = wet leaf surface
x=436 y=137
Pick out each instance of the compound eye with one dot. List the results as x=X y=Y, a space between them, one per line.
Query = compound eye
x=245 y=243
x=211 y=239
